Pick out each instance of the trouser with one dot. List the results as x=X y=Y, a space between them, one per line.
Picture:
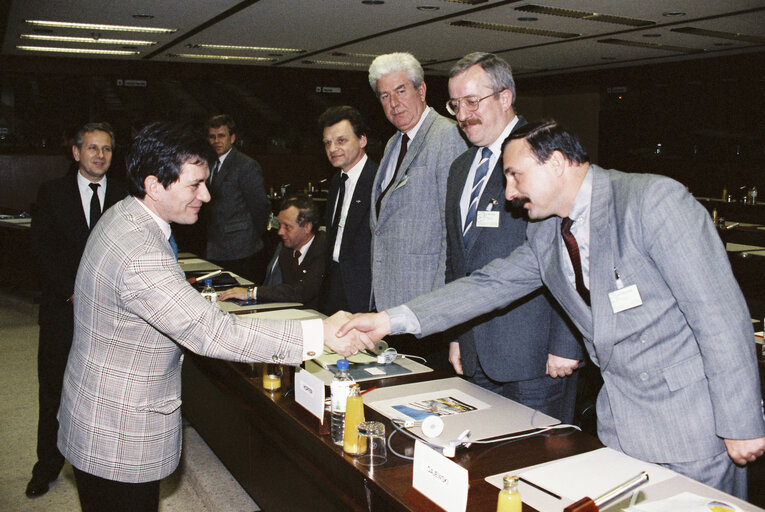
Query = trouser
x=101 y=495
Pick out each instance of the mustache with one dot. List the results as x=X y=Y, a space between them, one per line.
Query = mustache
x=518 y=202
x=469 y=122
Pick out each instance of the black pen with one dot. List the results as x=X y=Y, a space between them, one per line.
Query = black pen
x=535 y=486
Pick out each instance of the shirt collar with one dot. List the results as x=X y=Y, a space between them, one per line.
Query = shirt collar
x=583 y=198
x=413 y=132
x=223 y=156
x=163 y=224
x=84 y=183
x=304 y=248
x=496 y=146
x=355 y=171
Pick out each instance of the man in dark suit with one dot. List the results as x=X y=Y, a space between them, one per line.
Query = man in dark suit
x=238 y=211
x=525 y=351
x=296 y=271
x=349 y=274
x=67 y=209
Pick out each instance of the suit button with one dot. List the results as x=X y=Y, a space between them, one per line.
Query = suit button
x=275 y=358
x=467 y=274
x=643 y=339
x=644 y=376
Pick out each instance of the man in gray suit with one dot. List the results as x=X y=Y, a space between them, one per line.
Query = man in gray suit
x=238 y=211
x=525 y=351
x=120 y=418
x=646 y=280
x=408 y=197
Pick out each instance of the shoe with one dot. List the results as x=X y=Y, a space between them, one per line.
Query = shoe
x=37 y=486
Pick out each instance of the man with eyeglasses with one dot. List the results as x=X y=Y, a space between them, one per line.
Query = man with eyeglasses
x=526 y=352
x=407 y=211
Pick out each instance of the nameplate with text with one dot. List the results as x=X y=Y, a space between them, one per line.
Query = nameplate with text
x=309 y=392
x=442 y=481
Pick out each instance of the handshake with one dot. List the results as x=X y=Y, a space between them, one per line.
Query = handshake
x=349 y=334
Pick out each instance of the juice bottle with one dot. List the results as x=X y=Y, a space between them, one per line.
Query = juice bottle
x=354 y=414
x=509 y=499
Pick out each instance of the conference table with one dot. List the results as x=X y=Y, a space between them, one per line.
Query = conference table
x=284 y=457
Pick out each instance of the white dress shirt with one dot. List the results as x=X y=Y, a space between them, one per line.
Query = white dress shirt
x=86 y=193
x=390 y=169
x=350 y=185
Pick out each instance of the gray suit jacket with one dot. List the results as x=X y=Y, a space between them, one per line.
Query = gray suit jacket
x=679 y=372
x=238 y=210
x=409 y=237
x=513 y=342
x=134 y=311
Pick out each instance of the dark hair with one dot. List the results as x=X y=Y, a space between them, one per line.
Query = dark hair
x=220 y=120
x=306 y=210
x=334 y=115
x=548 y=136
x=94 y=127
x=160 y=149
x=497 y=69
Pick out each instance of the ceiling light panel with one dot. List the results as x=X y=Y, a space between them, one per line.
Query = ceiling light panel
x=719 y=34
x=87 y=40
x=585 y=15
x=79 y=51
x=100 y=27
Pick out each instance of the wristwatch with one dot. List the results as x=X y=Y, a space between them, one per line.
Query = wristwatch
x=250 y=293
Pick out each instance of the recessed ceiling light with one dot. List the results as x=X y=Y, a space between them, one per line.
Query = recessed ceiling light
x=510 y=28
x=528 y=18
x=91 y=40
x=720 y=34
x=76 y=50
x=584 y=15
x=357 y=55
x=428 y=8
x=651 y=35
x=245 y=48
x=221 y=57
x=469 y=2
x=670 y=14
x=372 y=2
x=337 y=63
x=143 y=16
x=96 y=26
x=653 y=46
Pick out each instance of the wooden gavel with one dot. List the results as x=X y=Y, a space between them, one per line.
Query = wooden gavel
x=589 y=505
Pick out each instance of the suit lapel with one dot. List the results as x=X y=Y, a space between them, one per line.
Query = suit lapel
x=601 y=263
x=412 y=150
x=494 y=190
x=75 y=206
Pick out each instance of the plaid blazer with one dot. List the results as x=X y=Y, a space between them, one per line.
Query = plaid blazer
x=133 y=313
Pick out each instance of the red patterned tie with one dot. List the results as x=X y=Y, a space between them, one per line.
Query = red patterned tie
x=573 y=252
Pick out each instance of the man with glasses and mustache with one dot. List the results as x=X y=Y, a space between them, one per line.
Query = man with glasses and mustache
x=526 y=351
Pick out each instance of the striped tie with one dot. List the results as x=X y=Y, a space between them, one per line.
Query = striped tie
x=475 y=193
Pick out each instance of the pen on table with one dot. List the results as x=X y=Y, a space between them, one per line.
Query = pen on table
x=732 y=225
x=214 y=273
x=368 y=390
x=535 y=486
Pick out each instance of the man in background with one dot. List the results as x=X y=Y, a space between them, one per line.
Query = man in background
x=296 y=271
x=525 y=351
x=348 y=278
x=67 y=210
x=238 y=211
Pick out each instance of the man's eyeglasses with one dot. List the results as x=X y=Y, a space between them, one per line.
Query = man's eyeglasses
x=469 y=103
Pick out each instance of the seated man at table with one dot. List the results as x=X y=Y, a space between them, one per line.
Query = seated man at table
x=296 y=271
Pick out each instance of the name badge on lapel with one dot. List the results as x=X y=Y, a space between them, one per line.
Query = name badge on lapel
x=624 y=298
x=487 y=218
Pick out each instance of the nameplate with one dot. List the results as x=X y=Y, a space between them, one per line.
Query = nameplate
x=442 y=481
x=309 y=392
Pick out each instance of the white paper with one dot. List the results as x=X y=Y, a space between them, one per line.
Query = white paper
x=685 y=502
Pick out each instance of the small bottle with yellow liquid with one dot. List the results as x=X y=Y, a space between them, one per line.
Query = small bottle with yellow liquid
x=354 y=414
x=509 y=499
x=272 y=376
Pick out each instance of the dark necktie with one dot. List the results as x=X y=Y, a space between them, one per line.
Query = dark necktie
x=401 y=155
x=573 y=252
x=95 y=205
x=173 y=244
x=296 y=262
x=338 y=212
x=215 y=169
x=475 y=192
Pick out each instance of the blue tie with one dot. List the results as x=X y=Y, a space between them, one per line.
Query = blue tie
x=475 y=193
x=173 y=244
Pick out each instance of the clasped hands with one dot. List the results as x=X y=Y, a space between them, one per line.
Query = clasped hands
x=349 y=334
